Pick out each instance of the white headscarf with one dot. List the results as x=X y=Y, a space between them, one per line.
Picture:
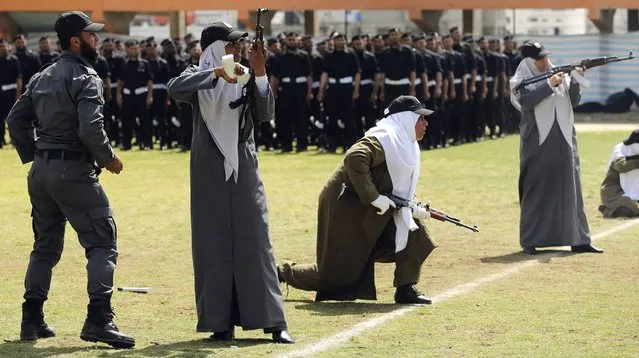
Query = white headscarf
x=220 y=119
x=558 y=102
x=629 y=181
x=397 y=135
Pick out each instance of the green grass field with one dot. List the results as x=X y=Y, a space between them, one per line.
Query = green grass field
x=567 y=305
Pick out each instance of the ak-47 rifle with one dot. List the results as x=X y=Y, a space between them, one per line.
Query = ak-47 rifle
x=434 y=213
x=567 y=69
x=248 y=91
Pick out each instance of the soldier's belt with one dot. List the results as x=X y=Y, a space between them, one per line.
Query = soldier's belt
x=457 y=81
x=418 y=81
x=137 y=91
x=489 y=79
x=9 y=87
x=159 y=86
x=431 y=83
x=402 y=82
x=343 y=80
x=63 y=154
x=316 y=84
x=366 y=82
x=294 y=80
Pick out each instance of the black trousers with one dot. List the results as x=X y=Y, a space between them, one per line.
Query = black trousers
x=476 y=115
x=393 y=91
x=172 y=132
x=112 y=118
x=316 y=115
x=134 y=106
x=186 y=125
x=340 y=107
x=433 y=137
x=292 y=115
x=365 y=110
x=7 y=100
x=158 y=111
x=61 y=190
x=458 y=122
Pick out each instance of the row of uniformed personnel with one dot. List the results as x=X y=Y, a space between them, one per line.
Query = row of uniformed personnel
x=331 y=96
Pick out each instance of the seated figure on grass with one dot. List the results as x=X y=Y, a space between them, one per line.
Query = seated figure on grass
x=620 y=188
x=359 y=225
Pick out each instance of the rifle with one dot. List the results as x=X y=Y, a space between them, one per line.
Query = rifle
x=567 y=69
x=434 y=213
x=248 y=90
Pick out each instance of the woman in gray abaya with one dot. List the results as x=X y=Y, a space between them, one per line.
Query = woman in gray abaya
x=550 y=196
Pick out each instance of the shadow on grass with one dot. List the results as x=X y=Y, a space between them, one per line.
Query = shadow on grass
x=28 y=349
x=197 y=348
x=345 y=308
x=543 y=256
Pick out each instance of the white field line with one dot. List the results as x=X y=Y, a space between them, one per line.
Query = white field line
x=463 y=289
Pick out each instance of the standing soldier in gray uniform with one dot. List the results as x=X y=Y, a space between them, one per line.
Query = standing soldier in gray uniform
x=66 y=100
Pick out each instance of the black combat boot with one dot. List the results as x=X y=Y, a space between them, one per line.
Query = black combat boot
x=99 y=326
x=408 y=294
x=33 y=326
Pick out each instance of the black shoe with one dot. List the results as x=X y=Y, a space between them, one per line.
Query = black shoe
x=222 y=336
x=283 y=337
x=586 y=248
x=33 y=326
x=99 y=326
x=530 y=250
x=408 y=294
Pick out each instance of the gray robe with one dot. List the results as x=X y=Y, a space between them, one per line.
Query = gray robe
x=236 y=280
x=550 y=196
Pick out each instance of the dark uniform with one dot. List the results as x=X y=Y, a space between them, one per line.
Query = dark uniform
x=50 y=57
x=158 y=111
x=292 y=70
x=512 y=114
x=444 y=105
x=316 y=110
x=176 y=66
x=466 y=119
x=477 y=113
x=135 y=76
x=432 y=62
x=501 y=98
x=29 y=65
x=341 y=68
x=58 y=125
x=493 y=70
x=112 y=111
x=9 y=75
x=457 y=123
x=396 y=64
x=365 y=109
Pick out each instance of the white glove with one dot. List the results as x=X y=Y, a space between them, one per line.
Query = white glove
x=383 y=203
x=341 y=125
x=421 y=213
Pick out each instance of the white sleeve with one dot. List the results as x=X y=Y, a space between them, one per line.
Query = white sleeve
x=262 y=85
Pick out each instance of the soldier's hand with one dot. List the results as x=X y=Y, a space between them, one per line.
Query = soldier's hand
x=309 y=96
x=494 y=95
x=168 y=103
x=115 y=166
x=438 y=92
x=555 y=80
x=355 y=95
x=444 y=96
x=373 y=98
x=149 y=101
x=466 y=97
x=220 y=73
x=426 y=94
x=382 y=96
x=473 y=89
x=484 y=93
x=119 y=100
x=257 y=58
x=320 y=96
x=412 y=92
